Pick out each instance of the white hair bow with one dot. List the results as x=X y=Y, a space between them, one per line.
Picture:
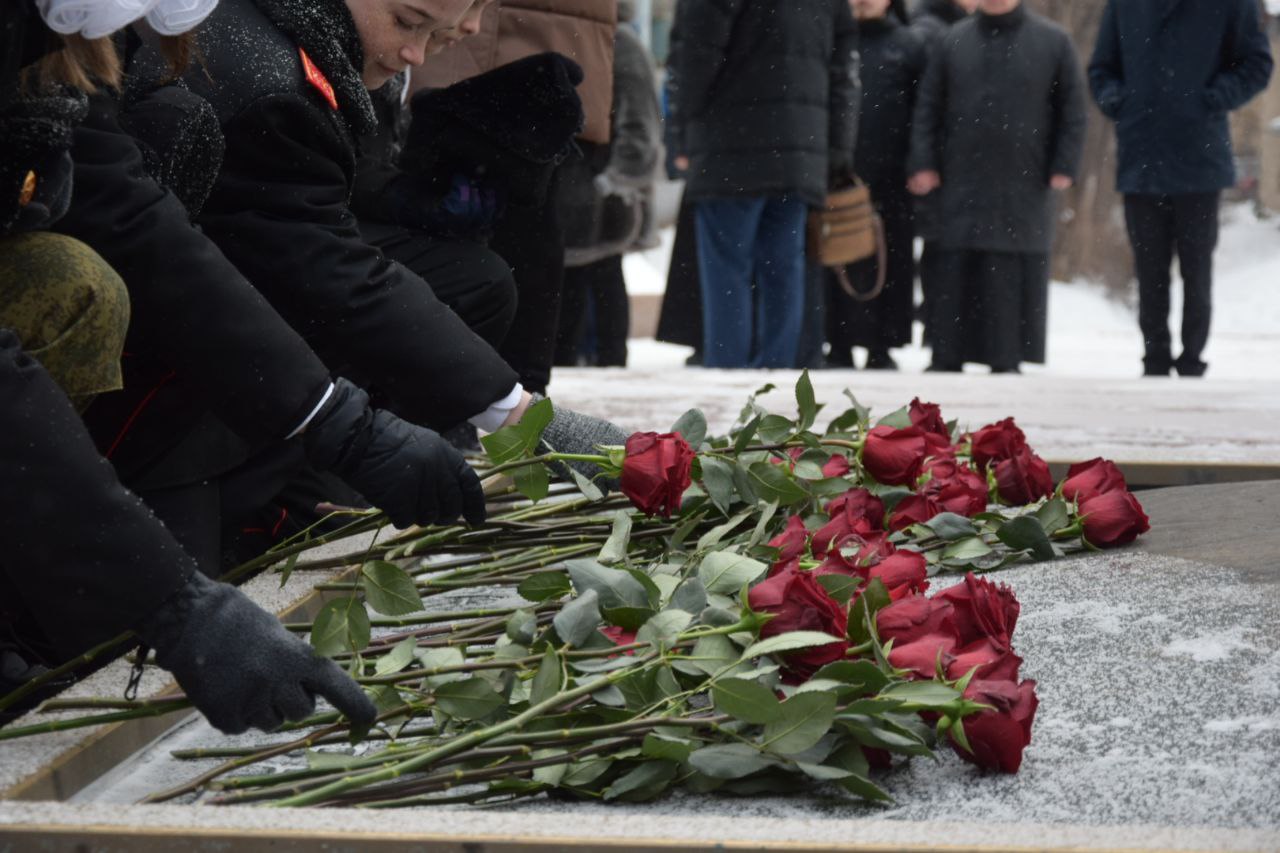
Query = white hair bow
x=98 y=18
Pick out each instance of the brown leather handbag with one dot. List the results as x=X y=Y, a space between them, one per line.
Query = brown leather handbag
x=847 y=230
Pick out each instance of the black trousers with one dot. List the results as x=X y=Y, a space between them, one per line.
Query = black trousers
x=883 y=322
x=470 y=278
x=1158 y=226
x=603 y=283
x=989 y=307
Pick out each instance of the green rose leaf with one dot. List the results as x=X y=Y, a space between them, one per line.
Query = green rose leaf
x=666 y=748
x=615 y=587
x=729 y=761
x=662 y=630
x=950 y=526
x=400 y=656
x=900 y=419
x=775 y=429
x=840 y=587
x=693 y=426
x=589 y=489
x=717 y=480
x=470 y=699
x=644 y=783
x=922 y=695
x=1053 y=516
x=772 y=484
x=744 y=700
x=548 y=680
x=522 y=626
x=710 y=655
x=578 y=619
x=806 y=404
x=725 y=572
x=803 y=720
x=532 y=481
x=1025 y=533
x=615 y=547
x=389 y=589
x=342 y=625
x=863 y=674
x=964 y=550
x=863 y=612
x=788 y=642
x=690 y=596
x=544 y=586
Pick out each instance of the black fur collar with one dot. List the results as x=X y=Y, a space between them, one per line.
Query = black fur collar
x=326 y=31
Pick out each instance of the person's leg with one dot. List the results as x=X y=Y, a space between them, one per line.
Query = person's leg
x=950 y=273
x=1034 y=324
x=613 y=312
x=530 y=239
x=895 y=311
x=69 y=309
x=1149 y=221
x=780 y=276
x=813 y=317
x=1196 y=233
x=1001 y=286
x=470 y=278
x=841 y=318
x=573 y=306
x=726 y=230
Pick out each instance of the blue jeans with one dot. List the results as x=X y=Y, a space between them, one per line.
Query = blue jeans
x=741 y=241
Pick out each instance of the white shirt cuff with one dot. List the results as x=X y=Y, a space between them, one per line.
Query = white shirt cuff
x=492 y=418
x=324 y=399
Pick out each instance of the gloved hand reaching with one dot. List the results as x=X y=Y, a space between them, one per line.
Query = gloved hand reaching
x=466 y=208
x=574 y=432
x=409 y=472
x=238 y=664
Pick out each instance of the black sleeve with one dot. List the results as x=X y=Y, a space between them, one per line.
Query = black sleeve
x=929 y=114
x=705 y=28
x=87 y=558
x=846 y=86
x=1246 y=61
x=1106 y=67
x=1069 y=117
x=190 y=307
x=280 y=212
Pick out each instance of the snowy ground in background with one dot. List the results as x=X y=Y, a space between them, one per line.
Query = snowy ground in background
x=1092 y=334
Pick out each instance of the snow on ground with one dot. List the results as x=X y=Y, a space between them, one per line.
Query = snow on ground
x=1092 y=334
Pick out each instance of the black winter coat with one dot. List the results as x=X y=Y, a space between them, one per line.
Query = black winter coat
x=200 y=337
x=763 y=95
x=931 y=19
x=1168 y=72
x=280 y=210
x=83 y=558
x=893 y=63
x=1000 y=111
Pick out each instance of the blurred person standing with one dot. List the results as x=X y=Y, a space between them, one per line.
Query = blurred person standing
x=1168 y=72
x=763 y=113
x=998 y=126
x=892 y=62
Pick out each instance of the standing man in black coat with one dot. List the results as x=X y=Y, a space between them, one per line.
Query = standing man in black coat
x=999 y=124
x=893 y=61
x=1168 y=72
x=764 y=110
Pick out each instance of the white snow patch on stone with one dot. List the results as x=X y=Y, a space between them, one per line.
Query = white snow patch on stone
x=1251 y=724
x=1206 y=648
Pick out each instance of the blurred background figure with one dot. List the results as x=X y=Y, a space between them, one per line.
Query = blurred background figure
x=1168 y=73
x=606 y=206
x=892 y=62
x=998 y=126
x=763 y=110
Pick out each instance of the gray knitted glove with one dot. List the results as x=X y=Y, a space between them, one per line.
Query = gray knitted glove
x=573 y=432
x=238 y=664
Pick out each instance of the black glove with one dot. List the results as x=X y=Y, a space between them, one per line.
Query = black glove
x=238 y=664
x=408 y=471
x=573 y=432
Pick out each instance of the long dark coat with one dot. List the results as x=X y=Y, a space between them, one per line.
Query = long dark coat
x=893 y=61
x=1168 y=72
x=762 y=94
x=1000 y=111
x=279 y=210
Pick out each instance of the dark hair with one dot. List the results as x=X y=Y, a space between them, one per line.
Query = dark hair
x=85 y=64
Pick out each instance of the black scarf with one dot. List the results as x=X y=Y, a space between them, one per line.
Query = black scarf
x=1008 y=21
x=326 y=31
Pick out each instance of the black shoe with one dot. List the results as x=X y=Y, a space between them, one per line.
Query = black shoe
x=1156 y=372
x=1002 y=370
x=839 y=359
x=1157 y=365
x=879 y=359
x=942 y=368
x=1190 y=368
x=694 y=360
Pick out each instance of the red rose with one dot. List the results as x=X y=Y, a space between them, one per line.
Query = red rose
x=928 y=418
x=912 y=618
x=837 y=466
x=1023 y=478
x=903 y=573
x=920 y=656
x=995 y=442
x=982 y=610
x=913 y=509
x=866 y=551
x=799 y=603
x=792 y=541
x=894 y=456
x=856 y=511
x=1113 y=518
x=655 y=472
x=836 y=530
x=1089 y=479
x=994 y=662
x=956 y=488
x=999 y=736
x=620 y=637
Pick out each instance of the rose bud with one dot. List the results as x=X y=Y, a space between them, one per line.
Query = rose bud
x=913 y=509
x=1023 y=478
x=655 y=472
x=995 y=442
x=792 y=541
x=894 y=456
x=956 y=488
x=994 y=662
x=858 y=504
x=920 y=656
x=928 y=418
x=799 y=603
x=1112 y=519
x=999 y=736
x=1089 y=479
x=983 y=610
x=902 y=574
x=913 y=617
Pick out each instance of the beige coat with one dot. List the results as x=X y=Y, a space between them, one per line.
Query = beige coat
x=512 y=29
